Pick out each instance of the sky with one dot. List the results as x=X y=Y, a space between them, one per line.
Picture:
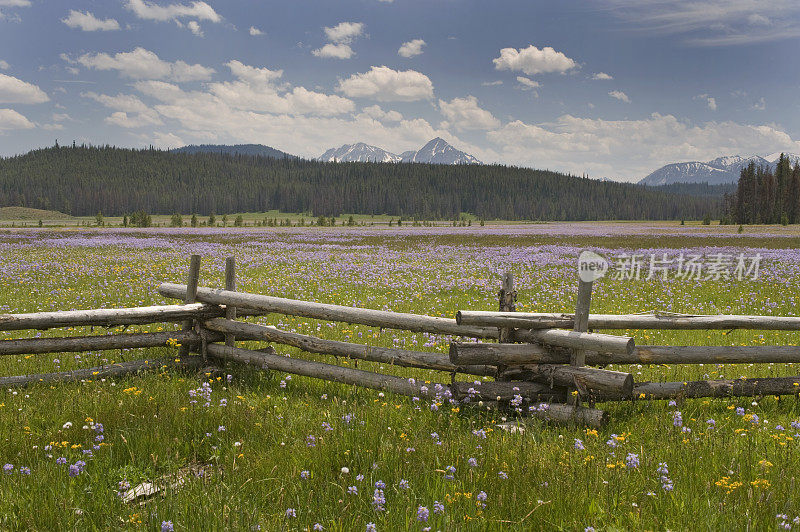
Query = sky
x=605 y=88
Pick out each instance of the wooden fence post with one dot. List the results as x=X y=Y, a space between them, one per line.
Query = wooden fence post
x=230 y=285
x=578 y=356
x=508 y=300
x=191 y=294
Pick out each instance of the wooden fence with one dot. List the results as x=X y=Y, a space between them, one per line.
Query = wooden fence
x=543 y=364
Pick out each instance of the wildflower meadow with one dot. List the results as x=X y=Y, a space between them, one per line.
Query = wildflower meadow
x=250 y=450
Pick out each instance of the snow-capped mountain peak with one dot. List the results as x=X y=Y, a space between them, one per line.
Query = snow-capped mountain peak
x=359 y=152
x=721 y=170
x=437 y=151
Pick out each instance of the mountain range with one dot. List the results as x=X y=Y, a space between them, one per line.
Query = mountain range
x=437 y=151
x=721 y=170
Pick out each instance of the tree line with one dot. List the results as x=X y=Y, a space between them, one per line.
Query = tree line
x=84 y=180
x=764 y=196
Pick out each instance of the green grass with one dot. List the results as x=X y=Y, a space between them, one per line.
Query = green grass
x=736 y=476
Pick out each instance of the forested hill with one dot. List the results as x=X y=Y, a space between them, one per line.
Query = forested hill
x=86 y=180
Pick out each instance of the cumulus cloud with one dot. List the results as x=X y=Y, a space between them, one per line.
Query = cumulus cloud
x=195 y=28
x=130 y=111
x=195 y=10
x=344 y=32
x=10 y=120
x=14 y=90
x=334 y=51
x=386 y=85
x=466 y=114
x=15 y=3
x=256 y=89
x=710 y=101
x=492 y=83
x=204 y=115
x=255 y=31
x=340 y=37
x=375 y=112
x=527 y=83
x=88 y=22
x=760 y=105
x=631 y=149
x=144 y=64
x=532 y=60
x=602 y=76
x=619 y=95
x=4 y=65
x=411 y=48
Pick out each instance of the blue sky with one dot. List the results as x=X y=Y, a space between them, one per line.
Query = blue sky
x=611 y=88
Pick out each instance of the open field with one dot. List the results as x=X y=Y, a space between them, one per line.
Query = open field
x=275 y=444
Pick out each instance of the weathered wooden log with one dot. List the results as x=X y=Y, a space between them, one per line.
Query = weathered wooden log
x=570 y=414
x=192 y=281
x=101 y=372
x=506 y=390
x=108 y=317
x=320 y=370
x=29 y=346
x=584 y=341
x=471 y=353
x=325 y=311
x=717 y=388
x=398 y=357
x=587 y=380
x=540 y=320
x=230 y=285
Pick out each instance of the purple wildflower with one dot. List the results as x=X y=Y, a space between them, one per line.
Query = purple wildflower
x=290 y=512
x=422 y=514
x=579 y=444
x=166 y=526
x=438 y=508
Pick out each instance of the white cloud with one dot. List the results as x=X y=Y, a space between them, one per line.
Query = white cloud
x=411 y=48
x=466 y=114
x=619 y=95
x=10 y=120
x=88 y=22
x=341 y=36
x=131 y=112
x=532 y=60
x=13 y=90
x=122 y=119
x=207 y=115
x=375 y=112
x=344 y=32
x=387 y=85
x=256 y=90
x=195 y=28
x=144 y=64
x=151 y=11
x=492 y=83
x=527 y=83
x=334 y=51
x=255 y=31
x=4 y=65
x=760 y=105
x=15 y=3
x=631 y=149
x=710 y=101
x=602 y=76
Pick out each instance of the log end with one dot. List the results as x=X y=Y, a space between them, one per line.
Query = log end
x=458 y=317
x=630 y=347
